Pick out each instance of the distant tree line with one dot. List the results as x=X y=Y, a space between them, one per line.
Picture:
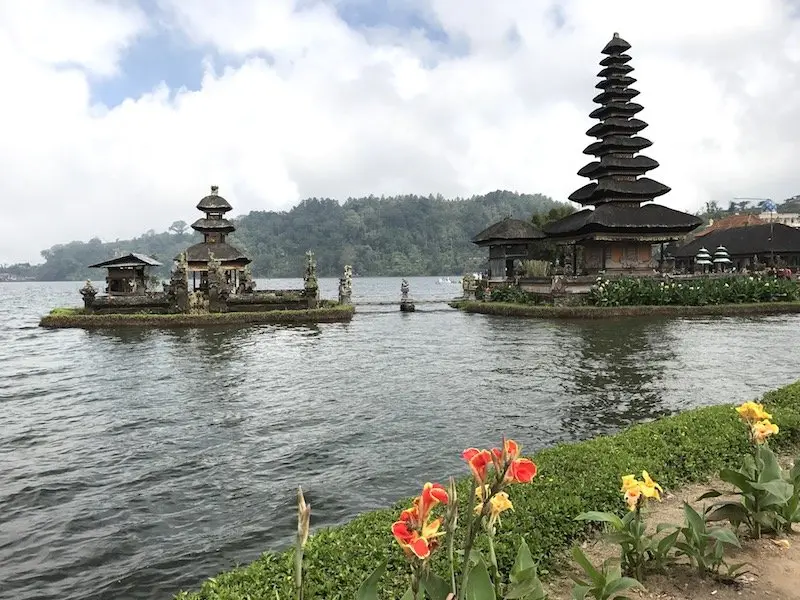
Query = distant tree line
x=397 y=235
x=714 y=210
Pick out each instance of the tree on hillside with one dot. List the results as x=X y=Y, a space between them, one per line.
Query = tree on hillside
x=178 y=227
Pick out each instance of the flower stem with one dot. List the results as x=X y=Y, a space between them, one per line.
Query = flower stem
x=470 y=536
x=298 y=572
x=493 y=559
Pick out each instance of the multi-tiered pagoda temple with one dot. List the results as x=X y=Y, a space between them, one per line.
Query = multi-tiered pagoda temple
x=214 y=227
x=619 y=232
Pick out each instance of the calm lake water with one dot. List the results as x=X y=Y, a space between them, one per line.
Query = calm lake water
x=134 y=464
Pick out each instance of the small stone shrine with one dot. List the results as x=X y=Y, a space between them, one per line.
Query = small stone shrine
x=346 y=285
x=406 y=303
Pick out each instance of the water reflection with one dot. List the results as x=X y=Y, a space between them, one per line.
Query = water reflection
x=616 y=374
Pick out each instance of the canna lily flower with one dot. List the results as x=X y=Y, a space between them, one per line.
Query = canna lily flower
x=521 y=470
x=752 y=412
x=479 y=461
x=628 y=482
x=432 y=494
x=649 y=488
x=416 y=536
x=761 y=430
x=632 y=496
x=498 y=503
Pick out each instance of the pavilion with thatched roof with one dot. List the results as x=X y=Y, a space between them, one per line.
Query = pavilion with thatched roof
x=509 y=242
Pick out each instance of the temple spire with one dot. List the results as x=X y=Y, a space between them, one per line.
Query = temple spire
x=618 y=172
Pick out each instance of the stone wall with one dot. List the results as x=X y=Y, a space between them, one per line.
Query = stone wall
x=156 y=303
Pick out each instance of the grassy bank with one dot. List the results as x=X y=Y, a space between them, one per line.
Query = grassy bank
x=507 y=309
x=76 y=317
x=573 y=478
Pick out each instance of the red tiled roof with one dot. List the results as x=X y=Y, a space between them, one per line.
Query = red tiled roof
x=731 y=222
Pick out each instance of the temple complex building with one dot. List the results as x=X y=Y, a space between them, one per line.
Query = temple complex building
x=215 y=228
x=510 y=241
x=127 y=274
x=616 y=229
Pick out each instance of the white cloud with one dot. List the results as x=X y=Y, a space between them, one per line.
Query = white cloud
x=320 y=109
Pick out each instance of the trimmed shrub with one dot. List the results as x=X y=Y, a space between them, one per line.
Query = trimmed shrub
x=573 y=478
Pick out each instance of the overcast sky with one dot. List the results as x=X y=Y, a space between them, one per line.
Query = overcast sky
x=118 y=116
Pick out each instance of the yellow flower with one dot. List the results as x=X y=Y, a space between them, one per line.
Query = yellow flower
x=752 y=412
x=498 y=503
x=633 y=489
x=762 y=430
x=650 y=488
x=632 y=496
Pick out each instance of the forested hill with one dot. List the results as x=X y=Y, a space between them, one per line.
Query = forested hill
x=400 y=235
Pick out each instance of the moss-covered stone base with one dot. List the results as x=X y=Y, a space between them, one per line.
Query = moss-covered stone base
x=545 y=311
x=76 y=317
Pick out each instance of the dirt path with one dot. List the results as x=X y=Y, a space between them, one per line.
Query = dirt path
x=774 y=565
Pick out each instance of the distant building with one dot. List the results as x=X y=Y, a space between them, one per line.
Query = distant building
x=618 y=233
x=127 y=274
x=771 y=244
x=731 y=222
x=509 y=242
x=790 y=219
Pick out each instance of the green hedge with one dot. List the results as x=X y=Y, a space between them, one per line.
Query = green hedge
x=63 y=318
x=545 y=311
x=572 y=478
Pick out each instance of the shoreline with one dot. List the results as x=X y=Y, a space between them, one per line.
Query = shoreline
x=507 y=309
x=677 y=450
x=62 y=318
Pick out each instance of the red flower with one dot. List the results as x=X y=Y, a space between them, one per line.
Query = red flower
x=432 y=494
x=521 y=470
x=479 y=461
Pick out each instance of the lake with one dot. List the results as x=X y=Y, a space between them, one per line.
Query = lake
x=135 y=463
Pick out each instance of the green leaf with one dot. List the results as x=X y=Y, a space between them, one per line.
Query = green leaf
x=580 y=558
x=523 y=563
x=579 y=592
x=736 y=478
x=368 y=590
x=771 y=470
x=479 y=584
x=735 y=512
x=709 y=494
x=529 y=588
x=616 y=588
x=667 y=542
x=436 y=587
x=409 y=595
x=693 y=518
x=780 y=489
x=603 y=517
x=725 y=536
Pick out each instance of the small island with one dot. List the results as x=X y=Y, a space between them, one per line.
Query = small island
x=210 y=284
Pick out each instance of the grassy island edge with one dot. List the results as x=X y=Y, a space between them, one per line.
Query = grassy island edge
x=574 y=477
x=65 y=318
x=542 y=311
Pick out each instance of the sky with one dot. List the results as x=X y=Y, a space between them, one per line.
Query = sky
x=117 y=116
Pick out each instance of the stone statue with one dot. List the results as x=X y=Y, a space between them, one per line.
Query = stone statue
x=346 y=285
x=246 y=283
x=406 y=303
x=88 y=292
x=178 y=291
x=558 y=285
x=218 y=289
x=310 y=285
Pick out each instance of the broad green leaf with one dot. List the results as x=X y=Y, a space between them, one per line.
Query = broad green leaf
x=709 y=494
x=436 y=587
x=771 y=470
x=580 y=558
x=735 y=512
x=667 y=542
x=780 y=489
x=725 y=535
x=479 y=584
x=693 y=518
x=603 y=517
x=794 y=474
x=523 y=562
x=736 y=478
x=616 y=588
x=527 y=589
x=409 y=595
x=579 y=592
x=368 y=590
